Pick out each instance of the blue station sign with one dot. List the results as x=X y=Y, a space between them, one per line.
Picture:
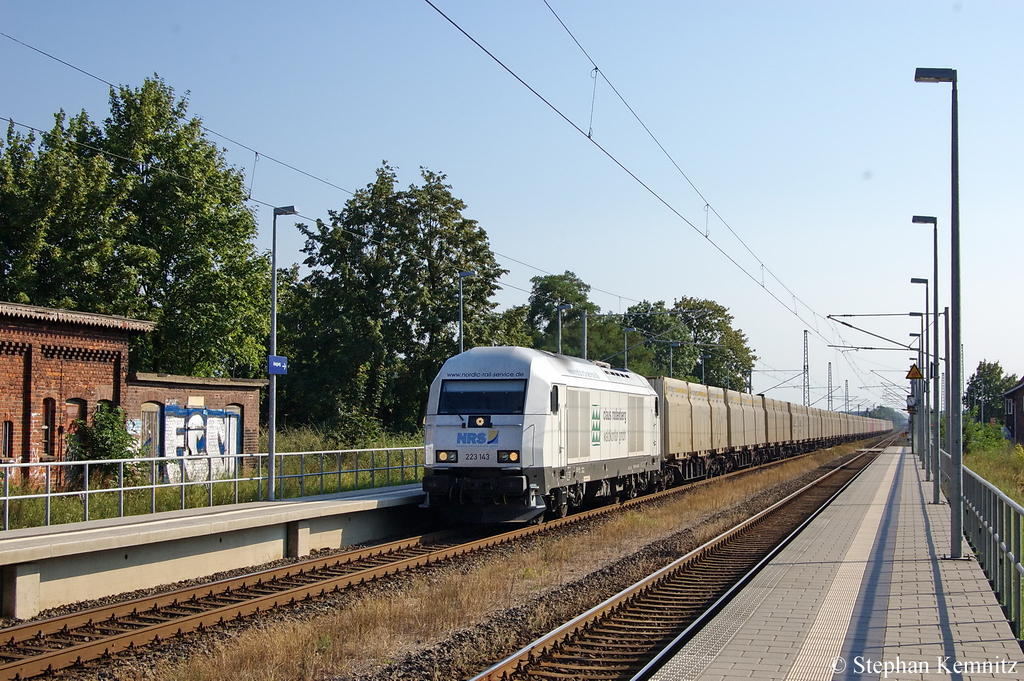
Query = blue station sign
x=277 y=364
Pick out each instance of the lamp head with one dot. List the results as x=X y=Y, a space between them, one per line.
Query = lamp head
x=470 y=273
x=918 y=280
x=286 y=210
x=935 y=76
x=924 y=220
x=564 y=306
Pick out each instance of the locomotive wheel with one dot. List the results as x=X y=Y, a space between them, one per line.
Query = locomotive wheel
x=558 y=505
x=628 y=491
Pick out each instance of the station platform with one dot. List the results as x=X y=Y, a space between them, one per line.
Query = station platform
x=866 y=591
x=44 y=567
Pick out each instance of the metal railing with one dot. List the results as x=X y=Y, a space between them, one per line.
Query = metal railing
x=57 y=492
x=993 y=524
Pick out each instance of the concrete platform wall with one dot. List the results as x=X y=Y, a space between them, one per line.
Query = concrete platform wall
x=50 y=567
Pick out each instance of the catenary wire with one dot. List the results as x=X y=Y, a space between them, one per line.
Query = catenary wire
x=259 y=154
x=636 y=178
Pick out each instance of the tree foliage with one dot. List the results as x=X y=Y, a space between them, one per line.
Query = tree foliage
x=985 y=390
x=548 y=293
x=141 y=217
x=726 y=355
x=371 y=324
x=898 y=418
x=664 y=340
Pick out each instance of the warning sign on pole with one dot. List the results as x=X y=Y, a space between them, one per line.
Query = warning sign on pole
x=914 y=374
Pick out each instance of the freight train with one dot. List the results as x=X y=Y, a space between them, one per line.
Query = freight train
x=512 y=433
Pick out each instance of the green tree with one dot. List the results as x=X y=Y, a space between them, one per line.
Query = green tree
x=372 y=323
x=728 y=359
x=548 y=292
x=661 y=336
x=898 y=418
x=140 y=217
x=985 y=390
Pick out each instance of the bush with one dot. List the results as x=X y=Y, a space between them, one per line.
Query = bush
x=104 y=438
x=982 y=437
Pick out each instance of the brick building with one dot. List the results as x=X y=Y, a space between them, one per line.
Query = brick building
x=1015 y=412
x=56 y=365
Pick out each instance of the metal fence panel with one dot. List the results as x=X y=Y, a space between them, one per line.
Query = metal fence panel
x=45 y=493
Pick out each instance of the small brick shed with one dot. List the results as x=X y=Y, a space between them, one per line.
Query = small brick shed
x=56 y=365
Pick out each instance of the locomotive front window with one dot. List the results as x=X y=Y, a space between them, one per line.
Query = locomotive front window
x=506 y=396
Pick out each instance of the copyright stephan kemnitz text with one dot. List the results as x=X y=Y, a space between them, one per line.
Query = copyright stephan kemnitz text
x=941 y=665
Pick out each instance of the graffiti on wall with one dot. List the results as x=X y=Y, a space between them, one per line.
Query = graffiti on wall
x=199 y=431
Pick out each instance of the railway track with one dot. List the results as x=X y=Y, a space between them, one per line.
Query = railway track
x=625 y=637
x=80 y=639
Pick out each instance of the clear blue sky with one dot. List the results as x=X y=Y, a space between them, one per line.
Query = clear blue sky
x=799 y=122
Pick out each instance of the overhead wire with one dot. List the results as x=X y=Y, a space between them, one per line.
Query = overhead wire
x=607 y=153
x=257 y=154
x=596 y=71
x=707 y=205
x=250 y=198
x=643 y=184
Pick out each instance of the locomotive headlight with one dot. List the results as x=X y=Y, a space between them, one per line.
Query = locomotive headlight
x=508 y=456
x=446 y=456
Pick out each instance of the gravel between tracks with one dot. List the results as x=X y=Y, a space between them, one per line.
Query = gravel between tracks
x=464 y=651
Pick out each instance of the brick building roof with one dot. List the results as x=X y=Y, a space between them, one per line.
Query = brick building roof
x=49 y=314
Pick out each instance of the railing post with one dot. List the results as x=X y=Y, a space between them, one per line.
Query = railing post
x=49 y=491
x=120 y=489
x=85 y=486
x=7 y=496
x=1015 y=578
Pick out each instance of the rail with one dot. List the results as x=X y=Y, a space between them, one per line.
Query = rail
x=57 y=492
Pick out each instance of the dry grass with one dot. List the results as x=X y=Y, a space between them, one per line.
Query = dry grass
x=427 y=608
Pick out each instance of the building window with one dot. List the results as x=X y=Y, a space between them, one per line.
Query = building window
x=7 y=442
x=233 y=428
x=151 y=435
x=49 y=427
x=74 y=410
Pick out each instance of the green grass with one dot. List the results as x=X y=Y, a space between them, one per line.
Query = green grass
x=301 y=475
x=313 y=439
x=992 y=457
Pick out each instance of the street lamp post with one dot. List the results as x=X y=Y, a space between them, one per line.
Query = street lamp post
x=954 y=348
x=930 y=220
x=671 y=360
x=560 y=309
x=926 y=349
x=915 y=389
x=272 y=396
x=462 y=275
x=626 y=347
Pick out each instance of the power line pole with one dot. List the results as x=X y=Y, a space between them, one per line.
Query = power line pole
x=830 y=386
x=807 y=373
